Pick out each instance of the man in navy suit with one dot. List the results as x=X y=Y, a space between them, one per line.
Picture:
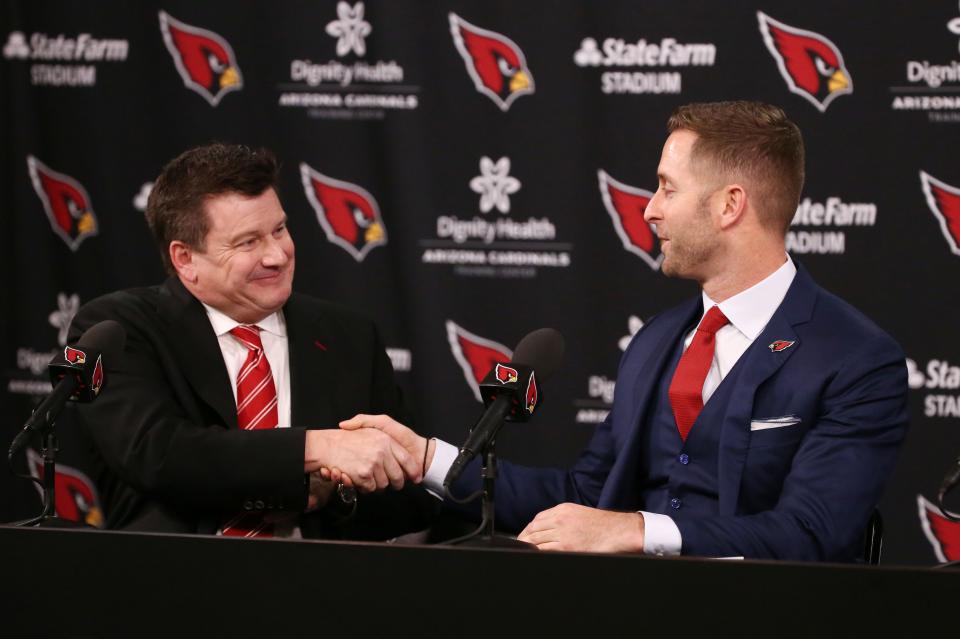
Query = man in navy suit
x=760 y=419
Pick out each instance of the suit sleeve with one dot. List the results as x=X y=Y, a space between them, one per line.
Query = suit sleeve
x=145 y=427
x=837 y=475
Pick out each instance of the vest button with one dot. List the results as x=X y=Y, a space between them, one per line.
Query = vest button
x=684 y=458
x=675 y=503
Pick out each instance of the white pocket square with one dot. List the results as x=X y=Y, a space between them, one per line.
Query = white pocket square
x=774 y=422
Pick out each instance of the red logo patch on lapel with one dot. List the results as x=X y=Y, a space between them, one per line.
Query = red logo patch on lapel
x=780 y=345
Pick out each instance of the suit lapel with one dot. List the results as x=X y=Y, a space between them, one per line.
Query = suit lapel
x=757 y=365
x=312 y=364
x=197 y=350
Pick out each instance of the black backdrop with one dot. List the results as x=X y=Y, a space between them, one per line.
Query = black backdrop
x=497 y=214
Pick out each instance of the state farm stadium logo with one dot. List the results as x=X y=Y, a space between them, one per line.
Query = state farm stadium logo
x=348 y=86
x=932 y=379
x=820 y=226
x=495 y=242
x=595 y=407
x=932 y=87
x=643 y=66
x=61 y=60
x=944 y=202
x=811 y=65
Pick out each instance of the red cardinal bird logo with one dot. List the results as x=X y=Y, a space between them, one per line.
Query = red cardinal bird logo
x=812 y=65
x=348 y=213
x=780 y=345
x=506 y=375
x=74 y=356
x=76 y=497
x=65 y=201
x=944 y=201
x=626 y=205
x=476 y=355
x=204 y=59
x=943 y=534
x=532 y=394
x=494 y=61
x=96 y=381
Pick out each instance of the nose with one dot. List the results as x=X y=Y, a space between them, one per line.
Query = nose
x=652 y=213
x=275 y=253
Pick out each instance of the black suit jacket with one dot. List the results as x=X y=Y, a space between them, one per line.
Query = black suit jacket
x=164 y=428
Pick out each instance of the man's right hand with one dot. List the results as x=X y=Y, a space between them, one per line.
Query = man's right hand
x=420 y=448
x=370 y=460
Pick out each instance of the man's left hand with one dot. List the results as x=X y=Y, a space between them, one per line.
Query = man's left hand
x=572 y=527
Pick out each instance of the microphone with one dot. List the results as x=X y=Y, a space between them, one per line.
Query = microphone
x=77 y=375
x=511 y=392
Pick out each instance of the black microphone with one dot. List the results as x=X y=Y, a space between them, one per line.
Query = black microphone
x=76 y=375
x=511 y=392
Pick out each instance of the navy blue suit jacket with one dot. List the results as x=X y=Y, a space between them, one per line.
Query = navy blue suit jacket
x=803 y=491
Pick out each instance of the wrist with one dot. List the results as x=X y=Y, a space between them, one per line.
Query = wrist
x=429 y=448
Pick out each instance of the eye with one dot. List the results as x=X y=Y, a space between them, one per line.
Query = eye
x=215 y=64
x=823 y=67
x=505 y=67
x=280 y=231
x=360 y=219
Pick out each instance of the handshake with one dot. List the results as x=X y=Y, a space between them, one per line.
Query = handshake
x=368 y=453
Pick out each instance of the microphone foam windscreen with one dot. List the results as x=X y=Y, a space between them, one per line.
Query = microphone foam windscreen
x=542 y=350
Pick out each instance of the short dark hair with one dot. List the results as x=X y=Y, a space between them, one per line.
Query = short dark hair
x=175 y=208
x=752 y=141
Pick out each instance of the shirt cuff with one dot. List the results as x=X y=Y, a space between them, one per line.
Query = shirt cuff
x=661 y=537
x=444 y=455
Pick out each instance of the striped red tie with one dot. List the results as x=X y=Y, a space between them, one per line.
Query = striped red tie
x=686 y=388
x=256 y=409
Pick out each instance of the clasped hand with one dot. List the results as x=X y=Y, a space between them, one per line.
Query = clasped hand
x=368 y=452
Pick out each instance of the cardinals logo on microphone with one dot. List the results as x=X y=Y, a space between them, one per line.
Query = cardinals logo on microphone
x=944 y=202
x=811 y=64
x=495 y=62
x=477 y=355
x=65 y=201
x=348 y=213
x=626 y=205
x=204 y=60
x=74 y=356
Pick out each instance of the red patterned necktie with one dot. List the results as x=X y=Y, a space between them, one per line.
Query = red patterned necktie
x=256 y=409
x=686 y=388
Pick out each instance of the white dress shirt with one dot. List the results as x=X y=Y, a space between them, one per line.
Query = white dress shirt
x=749 y=311
x=273 y=336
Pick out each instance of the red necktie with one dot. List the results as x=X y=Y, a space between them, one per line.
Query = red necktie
x=686 y=388
x=256 y=409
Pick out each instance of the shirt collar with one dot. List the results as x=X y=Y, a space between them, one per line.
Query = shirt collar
x=751 y=309
x=223 y=324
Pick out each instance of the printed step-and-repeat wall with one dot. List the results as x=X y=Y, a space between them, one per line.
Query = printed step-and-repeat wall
x=466 y=172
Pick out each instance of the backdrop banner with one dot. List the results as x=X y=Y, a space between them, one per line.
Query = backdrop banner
x=466 y=172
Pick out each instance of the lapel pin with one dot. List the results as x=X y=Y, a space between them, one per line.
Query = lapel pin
x=319 y=345
x=780 y=345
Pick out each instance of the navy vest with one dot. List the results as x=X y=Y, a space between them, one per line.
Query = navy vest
x=678 y=478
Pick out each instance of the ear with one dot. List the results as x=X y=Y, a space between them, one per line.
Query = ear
x=182 y=258
x=733 y=205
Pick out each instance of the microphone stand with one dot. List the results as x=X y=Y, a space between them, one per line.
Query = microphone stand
x=485 y=536
x=48 y=517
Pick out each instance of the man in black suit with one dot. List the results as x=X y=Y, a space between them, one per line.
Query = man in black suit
x=178 y=453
